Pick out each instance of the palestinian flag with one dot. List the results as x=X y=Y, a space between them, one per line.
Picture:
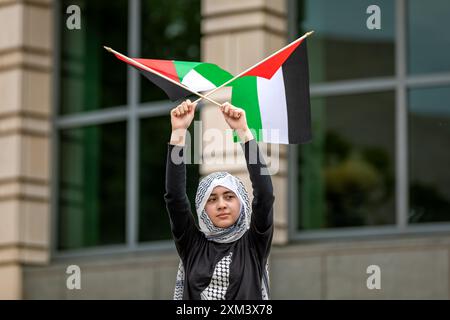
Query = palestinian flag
x=197 y=76
x=275 y=97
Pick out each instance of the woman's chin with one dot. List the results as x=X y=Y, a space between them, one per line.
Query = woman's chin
x=223 y=224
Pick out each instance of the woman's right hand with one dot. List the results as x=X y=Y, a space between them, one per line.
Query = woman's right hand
x=181 y=117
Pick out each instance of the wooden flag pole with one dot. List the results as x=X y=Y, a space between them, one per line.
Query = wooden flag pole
x=144 y=67
x=255 y=65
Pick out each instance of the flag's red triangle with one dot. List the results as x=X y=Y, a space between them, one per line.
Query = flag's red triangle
x=165 y=67
x=268 y=68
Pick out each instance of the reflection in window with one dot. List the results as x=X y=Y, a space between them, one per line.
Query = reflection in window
x=347 y=171
x=342 y=46
x=153 y=218
x=92 y=78
x=429 y=154
x=170 y=31
x=428 y=46
x=91 y=202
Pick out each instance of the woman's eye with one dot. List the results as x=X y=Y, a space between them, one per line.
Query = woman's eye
x=211 y=199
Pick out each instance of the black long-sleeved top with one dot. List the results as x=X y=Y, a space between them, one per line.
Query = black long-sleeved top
x=199 y=255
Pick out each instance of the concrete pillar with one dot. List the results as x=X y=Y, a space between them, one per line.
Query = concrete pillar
x=25 y=104
x=236 y=35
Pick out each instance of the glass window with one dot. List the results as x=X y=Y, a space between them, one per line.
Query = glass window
x=347 y=172
x=153 y=218
x=92 y=78
x=342 y=46
x=429 y=154
x=170 y=31
x=92 y=186
x=428 y=42
x=92 y=202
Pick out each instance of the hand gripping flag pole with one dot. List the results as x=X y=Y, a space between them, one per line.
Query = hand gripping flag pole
x=143 y=67
x=254 y=66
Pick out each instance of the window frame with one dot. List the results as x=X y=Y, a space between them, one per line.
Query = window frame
x=131 y=113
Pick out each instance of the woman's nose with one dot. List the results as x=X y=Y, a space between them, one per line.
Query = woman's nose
x=221 y=203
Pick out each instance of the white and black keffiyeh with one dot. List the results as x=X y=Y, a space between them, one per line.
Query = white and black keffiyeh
x=219 y=283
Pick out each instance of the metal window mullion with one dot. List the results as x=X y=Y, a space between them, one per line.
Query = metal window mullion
x=54 y=132
x=113 y=114
x=132 y=183
x=293 y=150
x=355 y=86
x=401 y=120
x=93 y=118
x=428 y=80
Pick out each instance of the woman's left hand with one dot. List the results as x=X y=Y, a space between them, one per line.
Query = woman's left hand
x=235 y=117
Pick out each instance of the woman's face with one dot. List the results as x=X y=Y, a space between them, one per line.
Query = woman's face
x=223 y=207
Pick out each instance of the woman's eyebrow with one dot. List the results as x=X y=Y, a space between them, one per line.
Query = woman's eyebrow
x=226 y=192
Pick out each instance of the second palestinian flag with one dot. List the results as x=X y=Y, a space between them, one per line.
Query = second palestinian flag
x=197 y=76
x=275 y=97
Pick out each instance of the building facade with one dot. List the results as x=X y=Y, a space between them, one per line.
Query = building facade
x=83 y=144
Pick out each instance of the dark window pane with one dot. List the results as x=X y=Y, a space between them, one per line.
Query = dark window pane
x=153 y=218
x=170 y=31
x=91 y=202
x=429 y=154
x=342 y=46
x=347 y=172
x=428 y=43
x=92 y=78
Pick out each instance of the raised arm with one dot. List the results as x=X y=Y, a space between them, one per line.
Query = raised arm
x=263 y=198
x=177 y=202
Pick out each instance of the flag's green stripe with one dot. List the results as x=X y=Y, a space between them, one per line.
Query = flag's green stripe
x=245 y=96
x=183 y=67
x=213 y=73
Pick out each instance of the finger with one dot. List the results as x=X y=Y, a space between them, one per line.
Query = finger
x=193 y=106
x=186 y=108
x=236 y=113
x=226 y=107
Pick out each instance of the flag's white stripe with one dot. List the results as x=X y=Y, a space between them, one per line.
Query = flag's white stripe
x=197 y=82
x=273 y=107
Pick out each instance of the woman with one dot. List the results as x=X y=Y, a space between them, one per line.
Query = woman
x=226 y=256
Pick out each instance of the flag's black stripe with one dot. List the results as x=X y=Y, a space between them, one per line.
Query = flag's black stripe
x=173 y=91
x=296 y=83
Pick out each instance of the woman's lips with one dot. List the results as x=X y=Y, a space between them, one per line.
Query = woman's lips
x=223 y=215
